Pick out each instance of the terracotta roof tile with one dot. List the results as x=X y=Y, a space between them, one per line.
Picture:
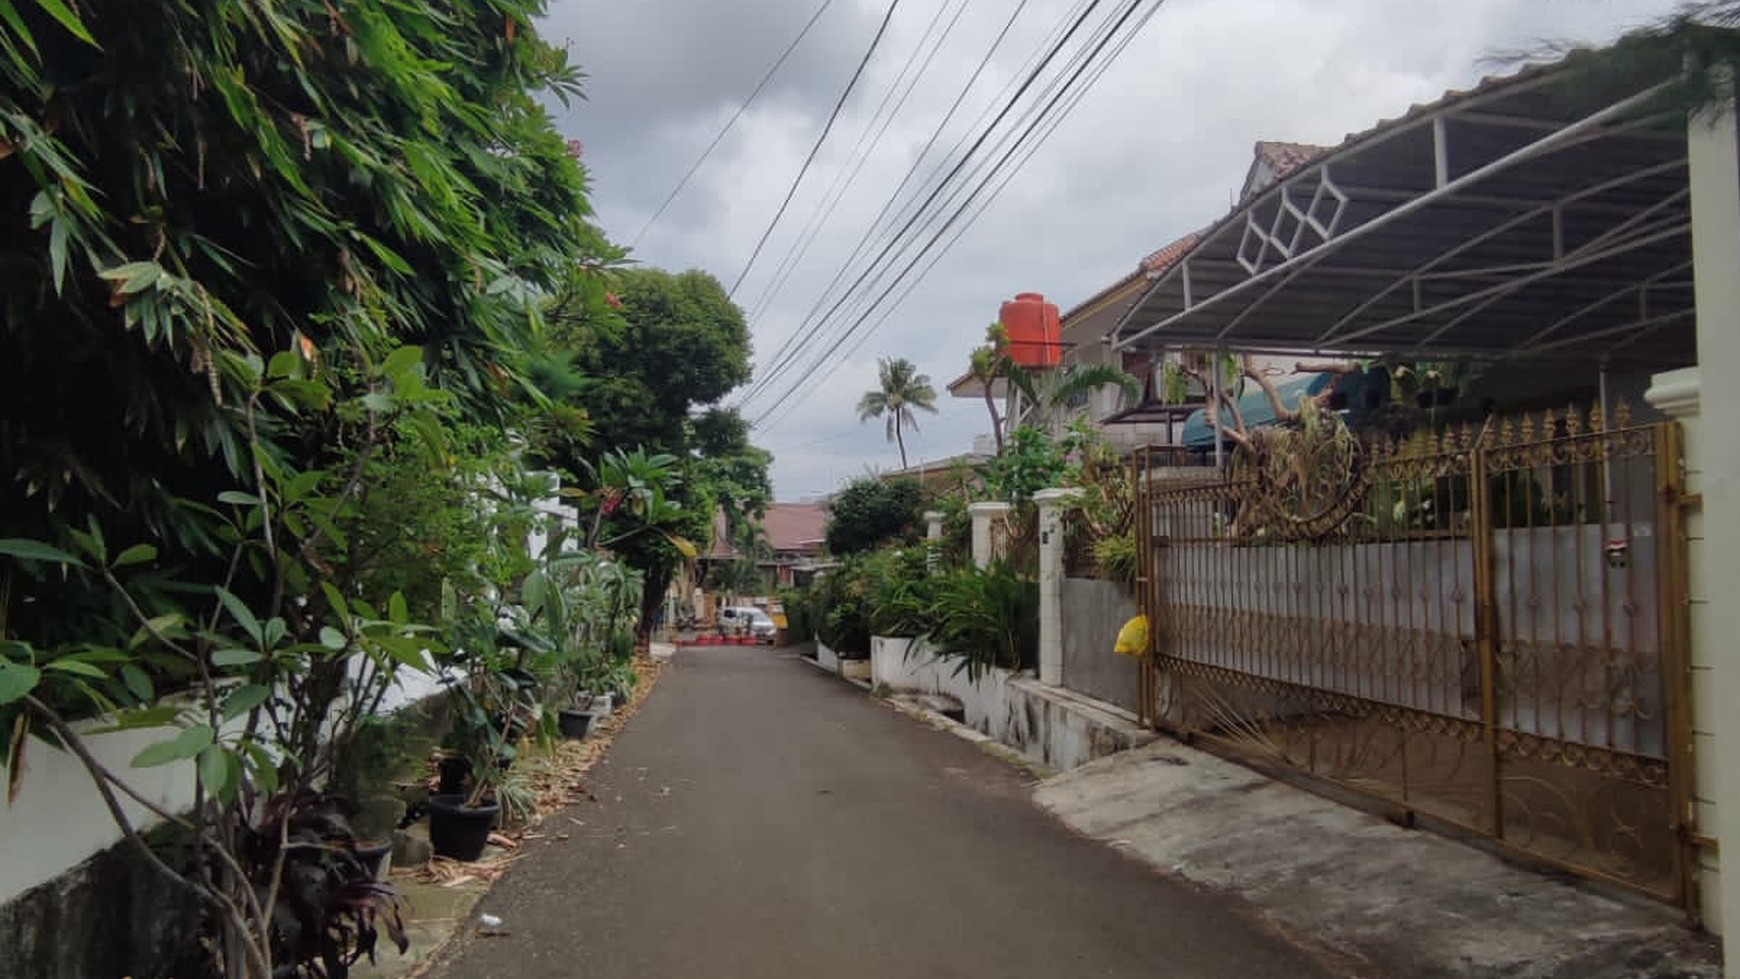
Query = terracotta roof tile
x=1284 y=158
x=1165 y=258
x=795 y=526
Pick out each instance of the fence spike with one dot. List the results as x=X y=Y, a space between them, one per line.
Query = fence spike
x=1622 y=414
x=1573 y=421
x=1597 y=419
x=1526 y=429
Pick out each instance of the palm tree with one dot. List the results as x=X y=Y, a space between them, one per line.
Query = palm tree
x=1044 y=395
x=902 y=389
x=988 y=363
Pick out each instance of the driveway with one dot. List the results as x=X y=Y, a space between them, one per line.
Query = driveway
x=759 y=819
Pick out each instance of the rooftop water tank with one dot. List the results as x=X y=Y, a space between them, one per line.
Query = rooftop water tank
x=1035 y=335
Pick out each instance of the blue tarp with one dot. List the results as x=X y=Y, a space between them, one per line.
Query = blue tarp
x=1255 y=407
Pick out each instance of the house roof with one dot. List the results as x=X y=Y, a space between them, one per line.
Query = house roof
x=1541 y=214
x=1281 y=159
x=795 y=526
x=789 y=528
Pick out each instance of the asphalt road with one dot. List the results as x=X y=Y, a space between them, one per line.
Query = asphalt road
x=759 y=819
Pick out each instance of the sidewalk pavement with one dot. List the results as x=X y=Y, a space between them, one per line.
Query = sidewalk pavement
x=1386 y=901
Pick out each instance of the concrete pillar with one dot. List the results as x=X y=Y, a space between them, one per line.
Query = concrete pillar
x=1713 y=464
x=1053 y=503
x=986 y=516
x=933 y=531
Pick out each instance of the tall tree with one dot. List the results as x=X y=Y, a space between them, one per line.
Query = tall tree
x=675 y=346
x=901 y=388
x=988 y=363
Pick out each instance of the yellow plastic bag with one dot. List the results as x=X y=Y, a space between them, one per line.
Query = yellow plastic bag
x=1133 y=638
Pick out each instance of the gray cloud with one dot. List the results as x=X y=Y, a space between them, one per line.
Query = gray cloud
x=1154 y=151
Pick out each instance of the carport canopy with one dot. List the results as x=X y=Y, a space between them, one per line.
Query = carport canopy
x=1543 y=216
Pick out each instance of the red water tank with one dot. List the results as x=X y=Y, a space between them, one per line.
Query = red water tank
x=1035 y=336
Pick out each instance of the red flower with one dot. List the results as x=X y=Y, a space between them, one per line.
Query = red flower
x=611 y=300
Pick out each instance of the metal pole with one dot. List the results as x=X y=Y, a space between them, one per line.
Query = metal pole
x=1214 y=422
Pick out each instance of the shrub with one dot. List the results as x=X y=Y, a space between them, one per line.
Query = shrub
x=800 y=624
x=869 y=512
x=986 y=618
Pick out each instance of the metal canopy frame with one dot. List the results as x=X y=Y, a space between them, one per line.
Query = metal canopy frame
x=1527 y=218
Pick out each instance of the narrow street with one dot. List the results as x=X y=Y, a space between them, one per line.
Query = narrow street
x=759 y=819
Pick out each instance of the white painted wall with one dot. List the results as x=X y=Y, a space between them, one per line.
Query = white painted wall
x=58 y=820
x=1056 y=727
x=1713 y=464
x=1678 y=394
x=826 y=656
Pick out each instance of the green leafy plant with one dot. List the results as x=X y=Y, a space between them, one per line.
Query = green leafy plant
x=986 y=618
x=283 y=664
x=868 y=512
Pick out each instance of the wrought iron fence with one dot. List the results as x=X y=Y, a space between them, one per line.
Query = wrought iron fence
x=1481 y=626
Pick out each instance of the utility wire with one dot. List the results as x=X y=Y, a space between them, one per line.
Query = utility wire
x=888 y=309
x=799 y=341
x=809 y=335
x=777 y=65
x=861 y=153
x=1047 y=114
x=823 y=138
x=864 y=241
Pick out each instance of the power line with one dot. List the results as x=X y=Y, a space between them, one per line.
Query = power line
x=1046 y=114
x=1009 y=106
x=823 y=138
x=887 y=205
x=732 y=121
x=860 y=155
x=802 y=338
x=888 y=310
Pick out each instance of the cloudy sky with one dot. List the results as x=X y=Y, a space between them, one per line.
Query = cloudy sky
x=1154 y=150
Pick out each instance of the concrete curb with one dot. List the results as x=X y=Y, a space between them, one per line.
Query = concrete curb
x=860 y=684
x=985 y=743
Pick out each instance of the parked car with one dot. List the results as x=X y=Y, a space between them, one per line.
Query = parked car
x=747 y=620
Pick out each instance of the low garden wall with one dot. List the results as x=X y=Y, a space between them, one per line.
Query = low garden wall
x=1093 y=612
x=1048 y=725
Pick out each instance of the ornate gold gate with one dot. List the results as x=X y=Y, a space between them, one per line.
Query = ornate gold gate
x=1483 y=627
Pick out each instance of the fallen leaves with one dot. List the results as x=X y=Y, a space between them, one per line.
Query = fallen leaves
x=447 y=872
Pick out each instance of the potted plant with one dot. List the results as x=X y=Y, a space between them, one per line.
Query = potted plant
x=493 y=707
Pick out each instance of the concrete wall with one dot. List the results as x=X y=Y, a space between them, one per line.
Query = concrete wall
x=1093 y=611
x=58 y=820
x=64 y=865
x=1708 y=570
x=1047 y=725
x=826 y=656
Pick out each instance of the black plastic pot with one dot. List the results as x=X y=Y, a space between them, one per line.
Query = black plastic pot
x=374 y=857
x=451 y=773
x=458 y=832
x=575 y=723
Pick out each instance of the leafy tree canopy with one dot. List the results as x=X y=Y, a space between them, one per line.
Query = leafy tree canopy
x=651 y=380
x=195 y=183
x=683 y=345
x=868 y=512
